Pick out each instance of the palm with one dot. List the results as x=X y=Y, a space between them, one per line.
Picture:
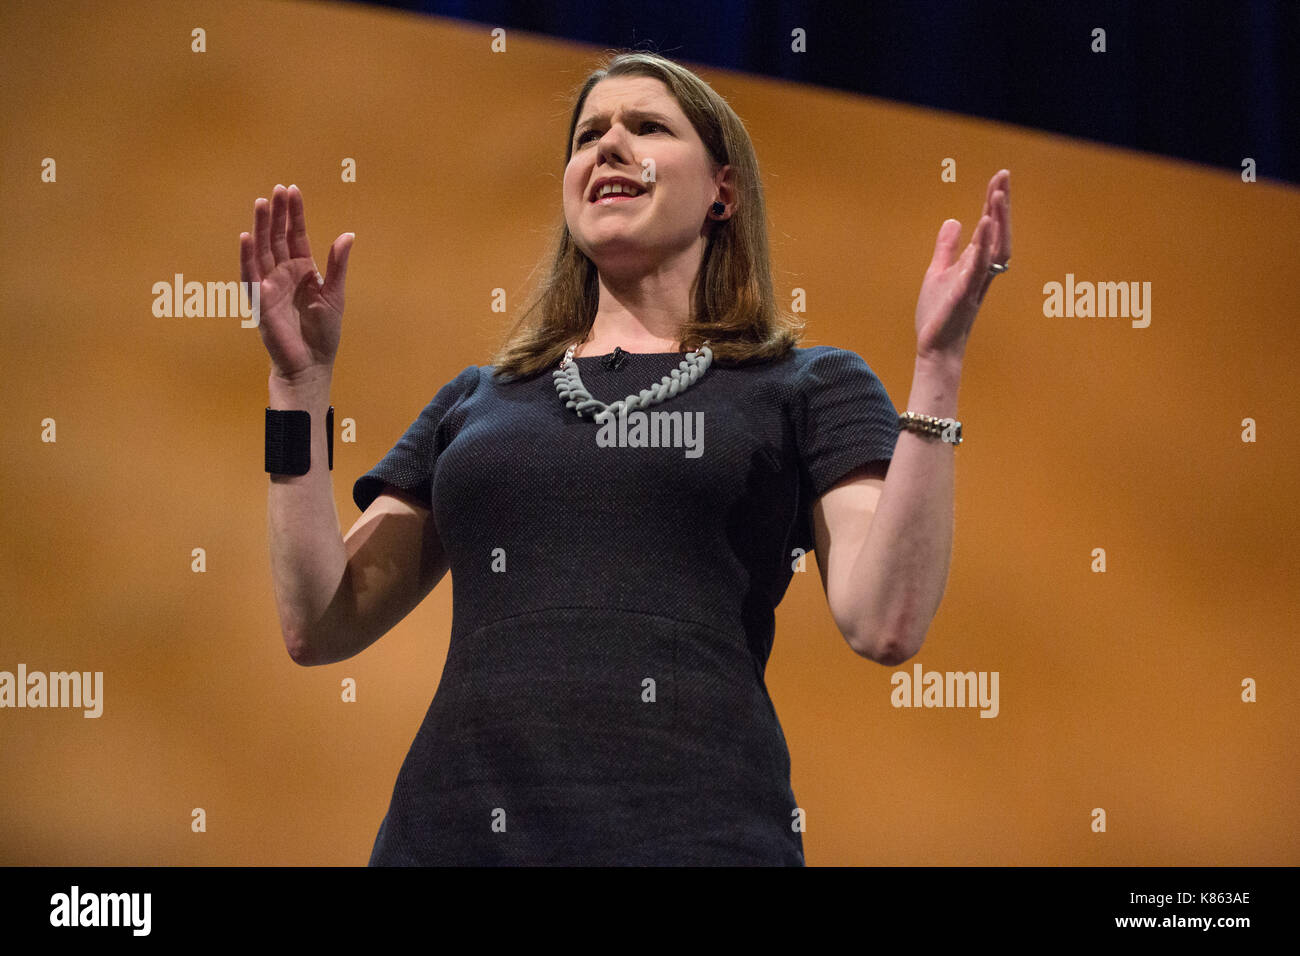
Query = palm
x=954 y=285
x=300 y=327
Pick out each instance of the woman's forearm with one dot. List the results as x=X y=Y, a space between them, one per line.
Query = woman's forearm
x=903 y=568
x=308 y=557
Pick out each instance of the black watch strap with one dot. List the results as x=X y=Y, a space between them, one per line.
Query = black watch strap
x=329 y=435
x=288 y=440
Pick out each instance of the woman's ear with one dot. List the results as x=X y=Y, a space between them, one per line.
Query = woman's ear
x=724 y=181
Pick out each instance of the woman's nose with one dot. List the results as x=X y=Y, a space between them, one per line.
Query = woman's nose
x=612 y=145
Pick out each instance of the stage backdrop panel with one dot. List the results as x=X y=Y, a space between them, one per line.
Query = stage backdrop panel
x=130 y=158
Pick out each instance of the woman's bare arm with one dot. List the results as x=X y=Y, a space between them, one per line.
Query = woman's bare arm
x=336 y=596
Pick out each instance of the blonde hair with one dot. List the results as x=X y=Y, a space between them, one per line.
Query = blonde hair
x=733 y=305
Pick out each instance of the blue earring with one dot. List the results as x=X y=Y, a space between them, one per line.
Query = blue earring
x=719 y=209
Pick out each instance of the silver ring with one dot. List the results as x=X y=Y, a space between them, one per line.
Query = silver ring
x=997 y=270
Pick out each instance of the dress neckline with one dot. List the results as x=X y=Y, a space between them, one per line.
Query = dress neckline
x=583 y=358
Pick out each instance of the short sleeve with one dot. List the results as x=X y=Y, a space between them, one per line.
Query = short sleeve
x=409 y=464
x=845 y=419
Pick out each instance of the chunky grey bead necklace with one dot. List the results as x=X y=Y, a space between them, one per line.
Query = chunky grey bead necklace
x=568 y=383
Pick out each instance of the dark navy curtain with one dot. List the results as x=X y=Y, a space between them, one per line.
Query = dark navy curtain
x=1210 y=82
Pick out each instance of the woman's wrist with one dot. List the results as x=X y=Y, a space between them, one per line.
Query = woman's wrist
x=944 y=364
x=309 y=394
x=935 y=381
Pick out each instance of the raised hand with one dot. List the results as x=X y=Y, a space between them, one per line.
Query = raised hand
x=954 y=286
x=301 y=312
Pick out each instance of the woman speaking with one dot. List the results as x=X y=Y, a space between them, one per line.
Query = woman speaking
x=621 y=497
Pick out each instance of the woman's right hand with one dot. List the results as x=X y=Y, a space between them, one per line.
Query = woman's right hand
x=301 y=312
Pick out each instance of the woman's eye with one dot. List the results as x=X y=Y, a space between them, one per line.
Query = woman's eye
x=583 y=137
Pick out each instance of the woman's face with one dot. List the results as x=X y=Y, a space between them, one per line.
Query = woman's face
x=630 y=126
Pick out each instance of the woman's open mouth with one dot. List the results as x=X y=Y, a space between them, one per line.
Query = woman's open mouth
x=617 y=198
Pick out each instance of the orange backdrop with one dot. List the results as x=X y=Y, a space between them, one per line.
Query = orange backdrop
x=1120 y=690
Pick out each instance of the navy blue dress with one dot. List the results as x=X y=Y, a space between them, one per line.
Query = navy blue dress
x=603 y=700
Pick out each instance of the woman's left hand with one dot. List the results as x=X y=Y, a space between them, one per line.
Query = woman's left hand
x=954 y=286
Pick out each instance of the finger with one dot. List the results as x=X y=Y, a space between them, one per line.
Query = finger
x=985 y=246
x=945 y=245
x=336 y=269
x=279 y=220
x=988 y=196
x=1004 y=221
x=299 y=247
x=996 y=182
x=981 y=248
x=248 y=268
x=262 y=237
x=995 y=205
x=995 y=230
x=1000 y=245
x=971 y=254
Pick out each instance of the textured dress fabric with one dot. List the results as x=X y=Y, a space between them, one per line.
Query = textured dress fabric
x=613 y=607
